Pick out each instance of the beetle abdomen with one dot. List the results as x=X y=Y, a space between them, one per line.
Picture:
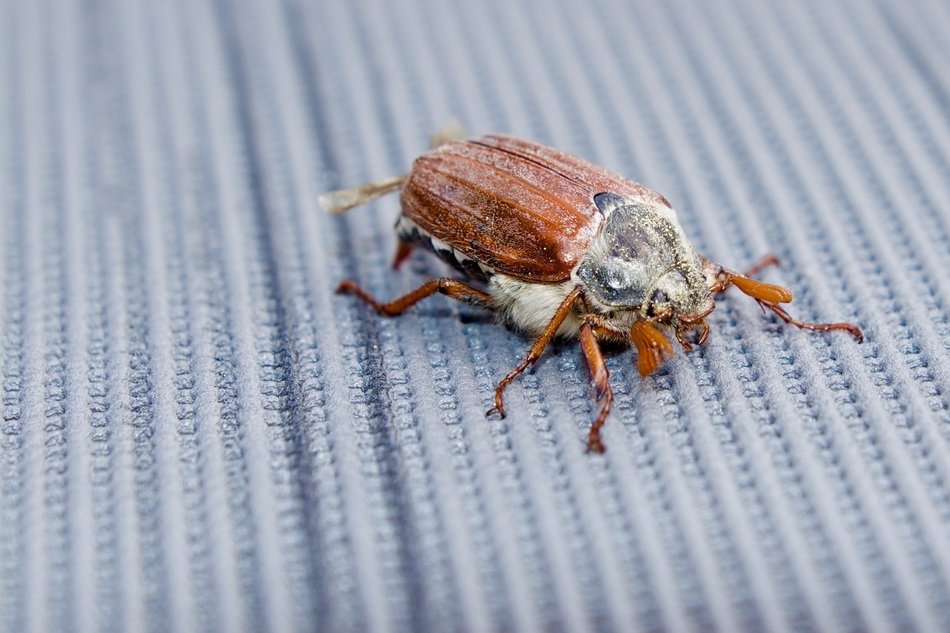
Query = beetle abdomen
x=512 y=206
x=410 y=233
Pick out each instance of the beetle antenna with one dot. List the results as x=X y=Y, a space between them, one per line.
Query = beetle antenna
x=758 y=290
x=652 y=347
x=761 y=290
x=343 y=200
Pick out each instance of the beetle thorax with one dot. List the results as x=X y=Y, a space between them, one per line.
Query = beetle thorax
x=641 y=266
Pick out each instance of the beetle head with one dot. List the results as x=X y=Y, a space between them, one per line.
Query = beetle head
x=642 y=262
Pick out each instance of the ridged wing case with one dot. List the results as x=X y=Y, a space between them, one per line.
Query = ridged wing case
x=515 y=207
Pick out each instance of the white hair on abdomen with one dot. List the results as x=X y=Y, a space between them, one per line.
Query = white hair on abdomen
x=529 y=306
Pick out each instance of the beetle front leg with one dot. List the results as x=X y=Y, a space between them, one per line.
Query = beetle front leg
x=563 y=310
x=449 y=287
x=600 y=380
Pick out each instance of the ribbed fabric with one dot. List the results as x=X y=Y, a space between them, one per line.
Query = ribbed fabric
x=198 y=435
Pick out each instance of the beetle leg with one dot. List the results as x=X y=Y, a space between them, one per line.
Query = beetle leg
x=780 y=312
x=704 y=333
x=449 y=287
x=684 y=342
x=451 y=131
x=605 y=330
x=536 y=350
x=403 y=251
x=600 y=380
x=343 y=200
x=759 y=266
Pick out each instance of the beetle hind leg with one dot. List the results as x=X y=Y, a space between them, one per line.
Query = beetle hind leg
x=342 y=200
x=449 y=287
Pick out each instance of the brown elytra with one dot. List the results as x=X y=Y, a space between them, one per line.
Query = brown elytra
x=519 y=208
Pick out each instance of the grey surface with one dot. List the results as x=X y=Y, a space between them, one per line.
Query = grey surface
x=198 y=434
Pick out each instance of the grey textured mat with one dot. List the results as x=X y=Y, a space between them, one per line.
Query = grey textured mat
x=199 y=435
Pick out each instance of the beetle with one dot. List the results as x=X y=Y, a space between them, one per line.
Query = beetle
x=559 y=247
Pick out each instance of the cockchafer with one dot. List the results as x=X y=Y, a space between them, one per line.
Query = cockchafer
x=559 y=247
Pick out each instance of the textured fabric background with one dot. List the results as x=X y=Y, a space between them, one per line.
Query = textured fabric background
x=198 y=435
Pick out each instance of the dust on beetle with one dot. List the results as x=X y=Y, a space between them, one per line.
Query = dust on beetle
x=559 y=247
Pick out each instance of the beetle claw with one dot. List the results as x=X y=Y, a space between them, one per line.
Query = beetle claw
x=497 y=409
x=595 y=445
x=344 y=287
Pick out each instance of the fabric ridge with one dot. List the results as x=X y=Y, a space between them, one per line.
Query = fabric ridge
x=199 y=435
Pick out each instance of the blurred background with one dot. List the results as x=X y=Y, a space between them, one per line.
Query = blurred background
x=198 y=435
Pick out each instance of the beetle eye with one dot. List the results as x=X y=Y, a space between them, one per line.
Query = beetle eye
x=658 y=297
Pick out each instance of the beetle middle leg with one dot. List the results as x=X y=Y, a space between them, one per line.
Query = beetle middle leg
x=343 y=200
x=550 y=330
x=449 y=287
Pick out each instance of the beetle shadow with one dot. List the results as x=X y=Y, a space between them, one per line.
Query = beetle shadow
x=477 y=317
x=461 y=313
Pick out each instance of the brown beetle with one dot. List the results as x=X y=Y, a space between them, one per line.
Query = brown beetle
x=562 y=248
